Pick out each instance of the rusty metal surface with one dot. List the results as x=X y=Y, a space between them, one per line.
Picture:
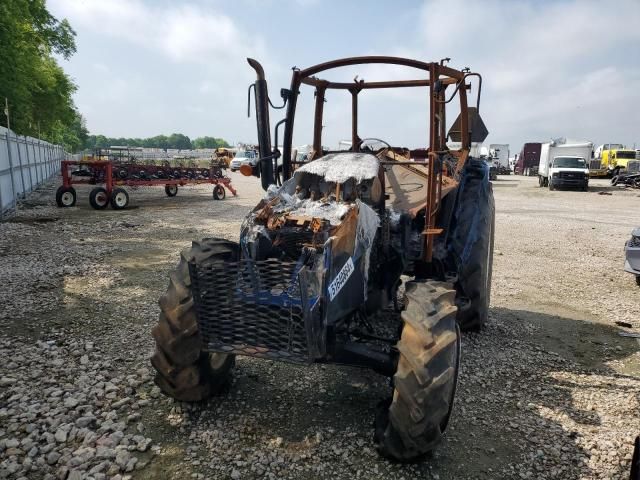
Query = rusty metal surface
x=439 y=78
x=407 y=62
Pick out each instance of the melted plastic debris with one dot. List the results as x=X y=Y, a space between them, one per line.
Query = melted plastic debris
x=394 y=217
x=340 y=167
x=272 y=191
x=255 y=231
x=368 y=223
x=331 y=211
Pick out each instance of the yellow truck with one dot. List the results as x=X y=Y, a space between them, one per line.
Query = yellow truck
x=223 y=156
x=609 y=159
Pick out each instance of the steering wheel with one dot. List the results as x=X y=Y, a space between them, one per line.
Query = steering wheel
x=372 y=140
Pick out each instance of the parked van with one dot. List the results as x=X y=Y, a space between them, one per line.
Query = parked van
x=564 y=164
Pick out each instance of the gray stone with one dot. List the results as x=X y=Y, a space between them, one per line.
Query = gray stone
x=53 y=457
x=122 y=458
x=84 y=422
x=12 y=443
x=71 y=402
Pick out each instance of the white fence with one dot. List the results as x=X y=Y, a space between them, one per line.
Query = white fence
x=25 y=163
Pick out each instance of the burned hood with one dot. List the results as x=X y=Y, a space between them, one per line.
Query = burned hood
x=309 y=192
x=340 y=167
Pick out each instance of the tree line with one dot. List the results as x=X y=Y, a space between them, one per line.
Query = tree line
x=173 y=141
x=36 y=88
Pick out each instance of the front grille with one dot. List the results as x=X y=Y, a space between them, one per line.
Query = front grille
x=250 y=308
x=291 y=241
x=634 y=242
x=572 y=175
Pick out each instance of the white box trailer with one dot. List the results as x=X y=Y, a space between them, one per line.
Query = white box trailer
x=551 y=150
x=500 y=153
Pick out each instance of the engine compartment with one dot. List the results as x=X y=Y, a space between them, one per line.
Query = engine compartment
x=333 y=200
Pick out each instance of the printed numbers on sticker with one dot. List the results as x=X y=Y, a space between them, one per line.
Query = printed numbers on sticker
x=340 y=280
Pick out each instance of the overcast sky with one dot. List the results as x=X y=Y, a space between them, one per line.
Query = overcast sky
x=550 y=68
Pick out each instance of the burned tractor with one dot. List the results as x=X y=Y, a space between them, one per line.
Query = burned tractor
x=374 y=257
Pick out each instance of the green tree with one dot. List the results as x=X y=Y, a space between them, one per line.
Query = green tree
x=37 y=89
x=209 y=142
x=179 y=141
x=175 y=140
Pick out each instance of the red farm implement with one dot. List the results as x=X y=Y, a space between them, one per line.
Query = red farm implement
x=115 y=169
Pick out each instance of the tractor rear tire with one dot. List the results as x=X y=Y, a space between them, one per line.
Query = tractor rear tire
x=472 y=246
x=425 y=381
x=183 y=370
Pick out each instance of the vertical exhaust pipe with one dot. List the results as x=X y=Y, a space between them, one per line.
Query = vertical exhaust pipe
x=265 y=164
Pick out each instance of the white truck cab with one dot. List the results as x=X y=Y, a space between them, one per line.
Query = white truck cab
x=564 y=164
x=244 y=157
x=568 y=171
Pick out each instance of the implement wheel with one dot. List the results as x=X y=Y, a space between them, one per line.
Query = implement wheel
x=119 y=199
x=412 y=423
x=99 y=198
x=65 y=196
x=183 y=370
x=171 y=190
x=219 y=192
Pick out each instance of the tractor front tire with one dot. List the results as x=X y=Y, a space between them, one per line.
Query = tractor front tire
x=183 y=370
x=472 y=247
x=412 y=423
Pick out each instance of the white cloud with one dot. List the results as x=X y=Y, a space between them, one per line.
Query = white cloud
x=553 y=68
x=159 y=59
x=550 y=69
x=183 y=33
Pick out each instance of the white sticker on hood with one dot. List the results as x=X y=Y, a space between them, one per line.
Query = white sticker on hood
x=340 y=280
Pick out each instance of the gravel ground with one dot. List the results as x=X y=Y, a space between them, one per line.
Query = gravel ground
x=548 y=390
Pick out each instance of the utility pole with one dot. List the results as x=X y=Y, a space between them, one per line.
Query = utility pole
x=6 y=112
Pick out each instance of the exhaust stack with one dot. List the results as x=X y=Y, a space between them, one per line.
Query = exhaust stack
x=265 y=164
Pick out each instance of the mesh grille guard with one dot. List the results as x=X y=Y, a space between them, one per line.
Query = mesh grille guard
x=252 y=308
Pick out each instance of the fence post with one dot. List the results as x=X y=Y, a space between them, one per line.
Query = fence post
x=24 y=189
x=47 y=161
x=35 y=166
x=52 y=161
x=1 y=204
x=13 y=183
x=40 y=163
x=26 y=149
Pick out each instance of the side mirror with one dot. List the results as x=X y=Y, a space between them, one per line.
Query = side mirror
x=477 y=128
